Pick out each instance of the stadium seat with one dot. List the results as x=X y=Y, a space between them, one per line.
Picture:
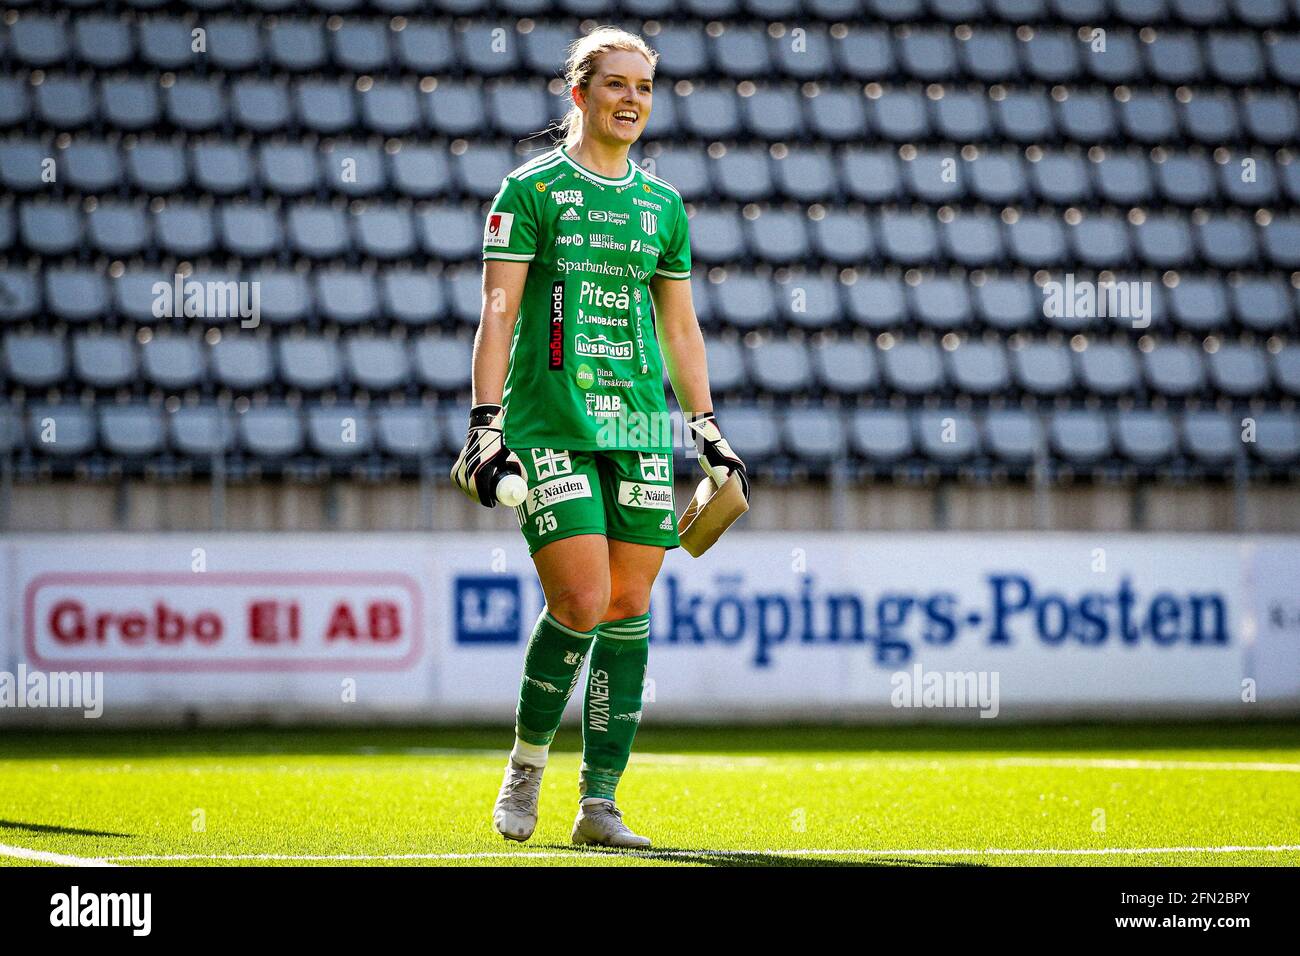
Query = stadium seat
x=947 y=436
x=1038 y=241
x=308 y=363
x=340 y=431
x=815 y=436
x=779 y=236
x=1277 y=438
x=726 y=363
x=1145 y=437
x=1211 y=439
x=1080 y=437
x=442 y=363
x=876 y=302
x=76 y=295
x=242 y=363
x=1199 y=304
x=50 y=229
x=780 y=366
x=173 y=362
x=92 y=167
x=117 y=229
x=35 y=361
x=913 y=368
x=406 y=431
x=973 y=240
x=978 y=368
x=270 y=432
x=1238 y=371
x=104 y=361
x=771 y=113
x=420 y=172
x=20 y=295
x=881 y=436
x=998 y=178
x=412 y=298
x=200 y=431
x=325 y=107
x=870 y=175
x=1148 y=116
x=842 y=237
x=61 y=431
x=131 y=431
x=1043 y=369
x=845 y=367
x=260 y=106
x=1286 y=369
x=157 y=168
x=1014 y=437
x=102 y=42
x=1174 y=370
x=376 y=364
x=941 y=303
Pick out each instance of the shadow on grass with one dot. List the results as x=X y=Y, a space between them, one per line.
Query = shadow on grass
x=1079 y=737
x=62 y=831
x=726 y=858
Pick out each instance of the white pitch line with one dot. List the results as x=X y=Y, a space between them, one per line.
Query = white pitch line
x=668 y=854
x=58 y=859
x=1106 y=763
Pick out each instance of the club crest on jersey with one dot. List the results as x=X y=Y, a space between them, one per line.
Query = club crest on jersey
x=571 y=197
x=654 y=467
x=497 y=230
x=598 y=346
x=548 y=463
x=649 y=223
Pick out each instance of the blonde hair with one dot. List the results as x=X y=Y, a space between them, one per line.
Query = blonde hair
x=580 y=66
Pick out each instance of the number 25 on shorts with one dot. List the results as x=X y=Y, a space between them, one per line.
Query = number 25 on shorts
x=546 y=522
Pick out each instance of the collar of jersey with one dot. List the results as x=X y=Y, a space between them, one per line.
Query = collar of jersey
x=631 y=170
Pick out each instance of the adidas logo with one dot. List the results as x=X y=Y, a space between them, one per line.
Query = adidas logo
x=667 y=523
x=569 y=215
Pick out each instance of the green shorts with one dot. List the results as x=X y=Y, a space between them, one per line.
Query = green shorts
x=624 y=495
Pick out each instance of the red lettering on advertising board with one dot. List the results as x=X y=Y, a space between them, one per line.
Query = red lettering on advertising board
x=72 y=623
x=271 y=622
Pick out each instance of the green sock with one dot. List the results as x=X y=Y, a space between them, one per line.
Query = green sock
x=611 y=711
x=551 y=669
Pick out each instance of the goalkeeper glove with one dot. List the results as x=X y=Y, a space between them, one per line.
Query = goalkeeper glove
x=485 y=458
x=715 y=454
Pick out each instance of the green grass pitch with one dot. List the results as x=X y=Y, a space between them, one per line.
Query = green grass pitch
x=1149 y=794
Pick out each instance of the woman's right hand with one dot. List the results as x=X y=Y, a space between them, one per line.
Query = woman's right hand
x=485 y=458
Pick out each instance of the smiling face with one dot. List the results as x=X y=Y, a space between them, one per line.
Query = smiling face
x=618 y=97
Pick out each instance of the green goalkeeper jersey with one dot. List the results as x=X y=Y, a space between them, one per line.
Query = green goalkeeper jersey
x=585 y=368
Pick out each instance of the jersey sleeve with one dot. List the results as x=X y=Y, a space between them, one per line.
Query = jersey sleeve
x=511 y=229
x=675 y=260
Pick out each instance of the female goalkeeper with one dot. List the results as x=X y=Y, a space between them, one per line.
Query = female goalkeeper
x=568 y=393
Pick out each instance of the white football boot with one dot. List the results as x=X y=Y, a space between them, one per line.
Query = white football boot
x=515 y=812
x=601 y=823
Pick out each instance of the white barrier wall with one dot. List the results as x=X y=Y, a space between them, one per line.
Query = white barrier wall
x=765 y=626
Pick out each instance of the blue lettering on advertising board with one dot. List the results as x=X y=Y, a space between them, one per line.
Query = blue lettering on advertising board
x=891 y=625
x=487 y=609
